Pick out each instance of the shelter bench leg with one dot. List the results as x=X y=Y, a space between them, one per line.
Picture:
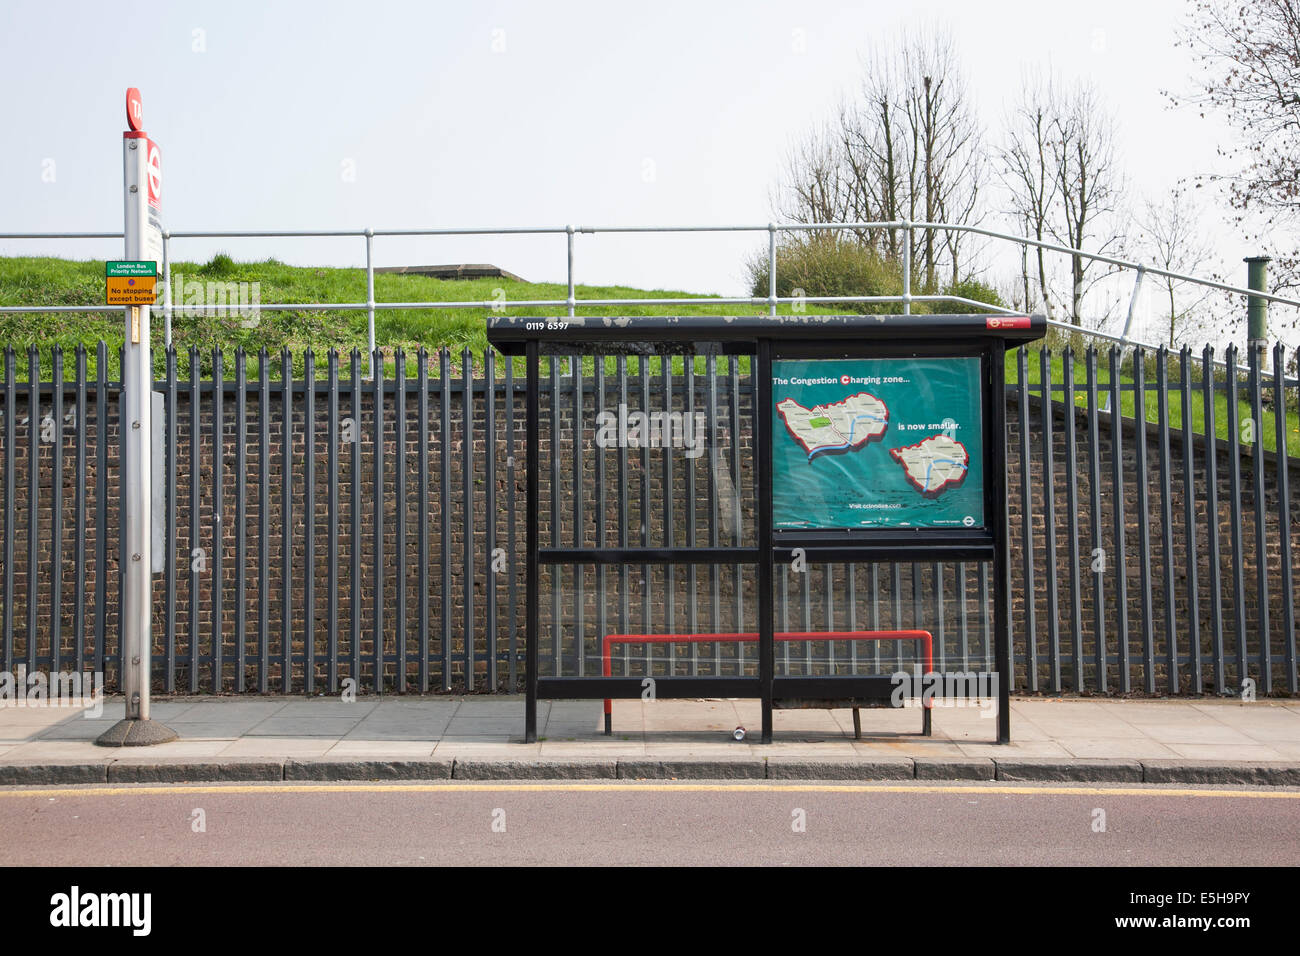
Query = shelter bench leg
x=857 y=724
x=925 y=722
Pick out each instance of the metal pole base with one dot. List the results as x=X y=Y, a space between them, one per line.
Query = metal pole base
x=136 y=733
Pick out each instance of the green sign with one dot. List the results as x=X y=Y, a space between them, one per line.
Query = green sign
x=131 y=268
x=877 y=443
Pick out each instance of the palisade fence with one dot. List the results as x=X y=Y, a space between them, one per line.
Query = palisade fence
x=321 y=525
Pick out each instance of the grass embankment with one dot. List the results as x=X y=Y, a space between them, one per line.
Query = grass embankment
x=50 y=281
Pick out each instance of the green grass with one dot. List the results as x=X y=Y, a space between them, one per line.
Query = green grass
x=51 y=281
x=1267 y=434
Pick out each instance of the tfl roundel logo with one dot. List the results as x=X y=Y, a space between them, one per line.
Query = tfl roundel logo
x=1007 y=322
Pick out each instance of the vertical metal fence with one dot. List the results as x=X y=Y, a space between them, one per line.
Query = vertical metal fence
x=326 y=529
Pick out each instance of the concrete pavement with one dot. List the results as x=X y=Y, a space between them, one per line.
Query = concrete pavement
x=275 y=738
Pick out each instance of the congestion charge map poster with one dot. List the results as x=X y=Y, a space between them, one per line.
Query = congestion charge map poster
x=877 y=443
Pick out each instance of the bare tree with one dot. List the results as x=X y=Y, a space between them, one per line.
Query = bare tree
x=877 y=154
x=813 y=187
x=1170 y=238
x=947 y=152
x=1088 y=183
x=908 y=147
x=1249 y=54
x=1027 y=171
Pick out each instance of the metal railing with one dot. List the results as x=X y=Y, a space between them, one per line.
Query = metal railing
x=572 y=303
x=322 y=526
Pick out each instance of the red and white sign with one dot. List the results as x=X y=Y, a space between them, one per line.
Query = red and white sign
x=1007 y=322
x=153 y=171
x=134 y=109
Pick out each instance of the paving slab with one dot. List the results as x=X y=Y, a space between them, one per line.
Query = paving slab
x=1189 y=732
x=216 y=730
x=1100 y=747
x=373 y=728
x=278 y=726
x=1029 y=748
x=79 y=729
x=351 y=747
x=166 y=710
x=923 y=747
x=329 y=707
x=21 y=725
x=278 y=747
x=596 y=748
x=837 y=747
x=227 y=708
x=406 y=706
x=497 y=707
x=1222 y=752
x=176 y=748
x=1049 y=727
x=561 y=730
x=61 y=750
x=488 y=748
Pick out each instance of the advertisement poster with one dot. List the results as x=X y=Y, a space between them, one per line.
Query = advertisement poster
x=877 y=443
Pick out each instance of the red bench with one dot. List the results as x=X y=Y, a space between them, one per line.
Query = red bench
x=926 y=640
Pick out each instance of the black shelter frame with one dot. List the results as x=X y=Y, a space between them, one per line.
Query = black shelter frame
x=985 y=337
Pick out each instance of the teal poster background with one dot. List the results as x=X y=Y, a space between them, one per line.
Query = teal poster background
x=877 y=443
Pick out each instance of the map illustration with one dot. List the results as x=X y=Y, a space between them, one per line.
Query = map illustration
x=836 y=427
x=934 y=464
x=877 y=443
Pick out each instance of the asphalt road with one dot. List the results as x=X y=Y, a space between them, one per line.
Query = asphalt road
x=618 y=823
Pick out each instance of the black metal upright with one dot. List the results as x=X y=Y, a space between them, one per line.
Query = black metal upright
x=763 y=470
x=531 y=635
x=997 y=484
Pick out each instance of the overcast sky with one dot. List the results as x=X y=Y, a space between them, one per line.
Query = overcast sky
x=387 y=114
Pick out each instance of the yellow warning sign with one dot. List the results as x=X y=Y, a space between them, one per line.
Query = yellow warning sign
x=130 y=290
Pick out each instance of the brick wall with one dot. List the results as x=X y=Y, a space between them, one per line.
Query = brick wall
x=951 y=600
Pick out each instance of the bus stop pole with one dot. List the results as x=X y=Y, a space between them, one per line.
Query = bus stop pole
x=136 y=426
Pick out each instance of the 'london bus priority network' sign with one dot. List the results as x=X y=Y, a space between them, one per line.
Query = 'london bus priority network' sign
x=130 y=282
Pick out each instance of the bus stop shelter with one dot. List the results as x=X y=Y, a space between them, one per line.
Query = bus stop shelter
x=670 y=519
